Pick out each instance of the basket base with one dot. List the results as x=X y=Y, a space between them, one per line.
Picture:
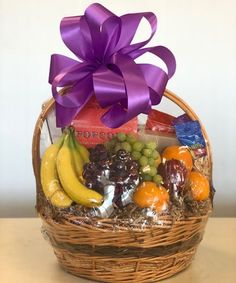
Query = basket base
x=124 y=269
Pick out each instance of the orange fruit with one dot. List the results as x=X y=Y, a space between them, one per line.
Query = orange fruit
x=148 y=194
x=162 y=205
x=199 y=186
x=180 y=153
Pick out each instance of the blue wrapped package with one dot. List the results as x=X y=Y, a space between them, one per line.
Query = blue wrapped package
x=190 y=134
x=182 y=119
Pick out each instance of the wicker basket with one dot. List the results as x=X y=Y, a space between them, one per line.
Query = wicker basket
x=107 y=251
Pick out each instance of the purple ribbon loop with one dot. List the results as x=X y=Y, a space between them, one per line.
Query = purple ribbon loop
x=106 y=67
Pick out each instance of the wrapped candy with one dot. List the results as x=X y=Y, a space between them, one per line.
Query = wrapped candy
x=174 y=175
x=115 y=177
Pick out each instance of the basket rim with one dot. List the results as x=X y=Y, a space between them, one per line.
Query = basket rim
x=105 y=224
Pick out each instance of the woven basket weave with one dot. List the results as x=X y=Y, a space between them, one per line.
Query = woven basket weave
x=110 y=251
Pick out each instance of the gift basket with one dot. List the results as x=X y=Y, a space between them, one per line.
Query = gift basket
x=120 y=198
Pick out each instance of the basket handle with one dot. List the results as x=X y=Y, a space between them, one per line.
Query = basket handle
x=189 y=111
x=48 y=106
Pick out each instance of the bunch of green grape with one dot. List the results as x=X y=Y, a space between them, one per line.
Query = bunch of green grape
x=145 y=153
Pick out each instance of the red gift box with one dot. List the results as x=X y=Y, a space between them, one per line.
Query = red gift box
x=91 y=131
x=161 y=123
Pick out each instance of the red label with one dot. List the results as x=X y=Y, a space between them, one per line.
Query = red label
x=90 y=130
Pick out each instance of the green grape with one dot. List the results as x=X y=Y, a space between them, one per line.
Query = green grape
x=151 y=145
x=110 y=144
x=155 y=154
x=158 y=179
x=131 y=139
x=136 y=155
x=151 y=162
x=138 y=146
x=126 y=146
x=113 y=141
x=147 y=152
x=143 y=161
x=157 y=162
x=121 y=137
x=118 y=147
x=147 y=177
x=153 y=171
x=145 y=169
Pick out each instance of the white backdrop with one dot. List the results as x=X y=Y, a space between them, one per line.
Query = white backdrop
x=202 y=35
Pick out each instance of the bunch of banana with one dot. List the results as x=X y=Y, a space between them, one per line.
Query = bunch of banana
x=61 y=174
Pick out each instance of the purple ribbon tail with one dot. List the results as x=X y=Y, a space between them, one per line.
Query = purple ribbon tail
x=64 y=115
x=58 y=64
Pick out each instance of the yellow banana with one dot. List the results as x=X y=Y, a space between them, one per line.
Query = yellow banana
x=49 y=177
x=84 y=153
x=77 y=159
x=61 y=199
x=71 y=184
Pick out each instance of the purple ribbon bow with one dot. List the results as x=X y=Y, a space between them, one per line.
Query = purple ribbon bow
x=107 y=68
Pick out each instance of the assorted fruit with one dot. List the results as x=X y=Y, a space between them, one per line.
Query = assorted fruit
x=121 y=171
x=199 y=186
x=61 y=174
x=180 y=153
x=118 y=170
x=50 y=179
x=150 y=195
x=145 y=154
